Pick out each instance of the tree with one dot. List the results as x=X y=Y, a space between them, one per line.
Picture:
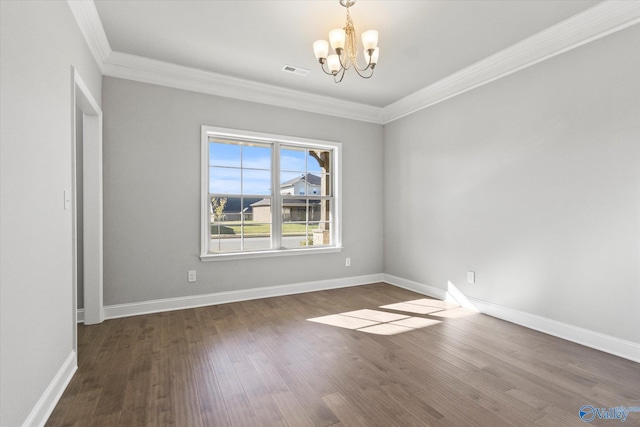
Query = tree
x=217 y=207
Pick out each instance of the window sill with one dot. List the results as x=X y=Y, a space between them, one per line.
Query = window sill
x=267 y=254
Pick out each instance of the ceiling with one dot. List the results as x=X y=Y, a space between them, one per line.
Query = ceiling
x=421 y=42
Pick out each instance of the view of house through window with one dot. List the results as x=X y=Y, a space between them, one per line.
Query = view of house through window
x=268 y=195
x=305 y=186
x=239 y=176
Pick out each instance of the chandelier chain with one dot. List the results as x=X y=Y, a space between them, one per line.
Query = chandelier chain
x=351 y=44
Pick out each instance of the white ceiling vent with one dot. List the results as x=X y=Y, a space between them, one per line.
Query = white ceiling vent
x=295 y=70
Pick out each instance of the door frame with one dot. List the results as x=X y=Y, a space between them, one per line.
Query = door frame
x=92 y=225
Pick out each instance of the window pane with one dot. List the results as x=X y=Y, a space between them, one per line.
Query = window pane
x=294 y=223
x=233 y=229
x=294 y=210
x=224 y=209
x=305 y=222
x=291 y=183
x=319 y=161
x=297 y=235
x=224 y=180
x=256 y=182
x=222 y=228
x=321 y=211
x=314 y=209
x=323 y=188
x=315 y=179
x=314 y=187
x=320 y=233
x=225 y=243
x=225 y=221
x=256 y=236
x=257 y=210
x=294 y=235
x=304 y=184
x=256 y=156
x=293 y=159
x=300 y=210
x=302 y=240
x=233 y=226
x=224 y=154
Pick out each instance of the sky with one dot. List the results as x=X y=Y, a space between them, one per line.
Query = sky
x=229 y=162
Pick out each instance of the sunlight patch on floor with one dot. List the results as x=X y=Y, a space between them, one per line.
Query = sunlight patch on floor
x=415 y=322
x=385 y=329
x=375 y=321
x=341 y=321
x=375 y=315
x=455 y=314
x=411 y=308
x=386 y=323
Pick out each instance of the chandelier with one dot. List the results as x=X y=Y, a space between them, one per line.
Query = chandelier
x=343 y=42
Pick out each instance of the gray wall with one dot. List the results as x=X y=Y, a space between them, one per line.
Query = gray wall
x=532 y=181
x=152 y=194
x=39 y=42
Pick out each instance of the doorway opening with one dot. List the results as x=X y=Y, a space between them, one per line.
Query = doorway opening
x=87 y=206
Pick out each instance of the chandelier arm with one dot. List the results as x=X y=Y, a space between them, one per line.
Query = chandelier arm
x=355 y=67
x=342 y=69
x=325 y=71
x=341 y=75
x=362 y=75
x=369 y=65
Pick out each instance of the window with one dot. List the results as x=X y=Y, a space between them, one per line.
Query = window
x=266 y=195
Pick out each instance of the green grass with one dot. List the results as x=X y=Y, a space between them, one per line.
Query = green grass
x=288 y=229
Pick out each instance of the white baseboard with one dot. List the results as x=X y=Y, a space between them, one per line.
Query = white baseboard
x=180 y=303
x=420 y=288
x=607 y=343
x=47 y=402
x=616 y=346
x=612 y=345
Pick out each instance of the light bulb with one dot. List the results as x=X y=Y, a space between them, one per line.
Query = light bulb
x=333 y=62
x=337 y=37
x=370 y=39
x=321 y=49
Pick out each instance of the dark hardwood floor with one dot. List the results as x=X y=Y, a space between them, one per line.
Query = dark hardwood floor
x=262 y=362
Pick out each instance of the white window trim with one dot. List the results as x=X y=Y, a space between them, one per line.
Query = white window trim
x=205 y=232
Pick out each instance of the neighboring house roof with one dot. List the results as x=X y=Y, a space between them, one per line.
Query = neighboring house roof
x=309 y=178
x=234 y=204
x=263 y=202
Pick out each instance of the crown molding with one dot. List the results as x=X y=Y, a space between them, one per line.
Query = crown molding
x=91 y=27
x=146 y=70
x=598 y=21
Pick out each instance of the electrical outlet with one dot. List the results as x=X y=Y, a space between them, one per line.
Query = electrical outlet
x=191 y=276
x=347 y=262
x=471 y=277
